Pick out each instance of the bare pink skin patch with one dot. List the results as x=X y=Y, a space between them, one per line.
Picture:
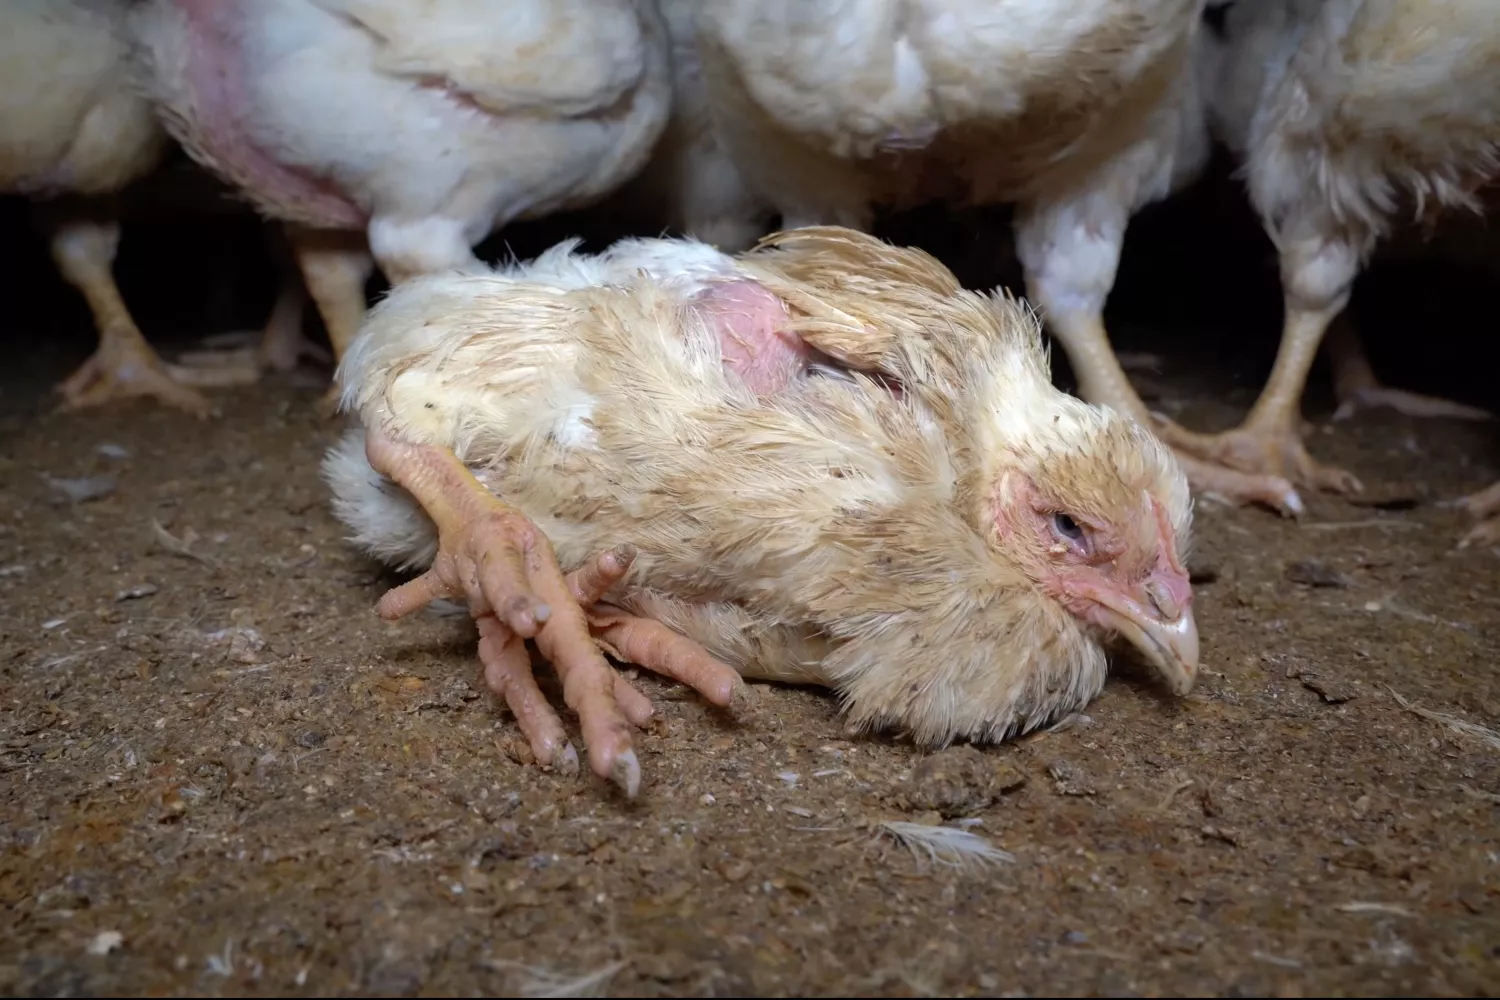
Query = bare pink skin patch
x=752 y=326
x=1078 y=571
x=216 y=73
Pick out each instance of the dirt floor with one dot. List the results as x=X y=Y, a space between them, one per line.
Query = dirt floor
x=222 y=775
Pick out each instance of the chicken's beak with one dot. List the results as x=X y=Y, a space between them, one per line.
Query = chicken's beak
x=1162 y=629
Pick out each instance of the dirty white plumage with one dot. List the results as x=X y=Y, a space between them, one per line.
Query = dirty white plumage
x=901 y=550
x=1350 y=117
x=691 y=183
x=407 y=128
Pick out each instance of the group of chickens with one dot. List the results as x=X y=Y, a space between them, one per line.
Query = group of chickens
x=818 y=460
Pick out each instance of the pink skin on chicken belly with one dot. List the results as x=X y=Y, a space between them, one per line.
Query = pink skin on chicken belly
x=216 y=72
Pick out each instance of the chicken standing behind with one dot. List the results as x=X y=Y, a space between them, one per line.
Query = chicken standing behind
x=407 y=128
x=1464 y=240
x=1345 y=112
x=950 y=558
x=1079 y=113
x=691 y=184
x=72 y=124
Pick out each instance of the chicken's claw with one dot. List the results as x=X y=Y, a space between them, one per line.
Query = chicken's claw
x=1356 y=386
x=1411 y=404
x=121 y=371
x=492 y=555
x=1258 y=452
x=654 y=646
x=1233 y=487
x=507 y=671
x=1485 y=533
x=493 y=559
x=1484 y=505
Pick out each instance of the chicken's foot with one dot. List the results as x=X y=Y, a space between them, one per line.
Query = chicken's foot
x=243 y=358
x=1356 y=387
x=1269 y=442
x=1484 y=505
x=123 y=365
x=492 y=555
x=1102 y=381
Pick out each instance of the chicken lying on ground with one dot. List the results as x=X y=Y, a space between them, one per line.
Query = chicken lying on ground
x=949 y=557
x=71 y=125
x=409 y=129
x=1344 y=111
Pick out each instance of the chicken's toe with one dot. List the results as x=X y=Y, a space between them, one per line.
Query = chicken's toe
x=1238 y=488
x=636 y=706
x=1485 y=503
x=507 y=671
x=243 y=358
x=589 y=688
x=210 y=368
x=1266 y=453
x=654 y=646
x=109 y=376
x=1485 y=533
x=589 y=583
x=1411 y=404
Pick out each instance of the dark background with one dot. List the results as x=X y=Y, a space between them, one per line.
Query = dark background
x=1197 y=285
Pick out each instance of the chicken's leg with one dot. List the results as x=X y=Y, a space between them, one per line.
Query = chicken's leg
x=227 y=359
x=244 y=358
x=1102 y=380
x=1356 y=387
x=1070 y=250
x=1270 y=439
x=335 y=267
x=1484 y=505
x=123 y=365
x=490 y=554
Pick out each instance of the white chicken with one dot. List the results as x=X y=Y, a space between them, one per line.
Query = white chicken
x=1346 y=113
x=950 y=559
x=71 y=124
x=409 y=129
x=691 y=184
x=1079 y=113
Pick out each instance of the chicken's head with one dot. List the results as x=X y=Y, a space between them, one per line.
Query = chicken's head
x=1097 y=518
x=1074 y=525
x=1089 y=505
x=1080 y=515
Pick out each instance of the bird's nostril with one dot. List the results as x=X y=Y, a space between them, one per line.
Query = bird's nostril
x=1161 y=596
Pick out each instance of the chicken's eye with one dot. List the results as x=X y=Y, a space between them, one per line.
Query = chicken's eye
x=1067 y=527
